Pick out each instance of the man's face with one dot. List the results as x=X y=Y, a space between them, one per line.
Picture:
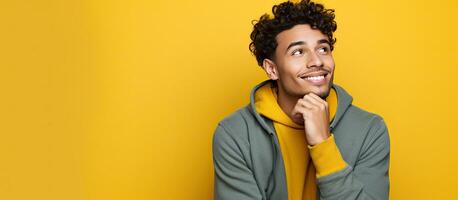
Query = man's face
x=303 y=61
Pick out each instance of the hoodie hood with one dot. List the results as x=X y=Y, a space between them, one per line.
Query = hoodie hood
x=343 y=98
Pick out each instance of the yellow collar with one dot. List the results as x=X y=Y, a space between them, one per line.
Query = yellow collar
x=266 y=104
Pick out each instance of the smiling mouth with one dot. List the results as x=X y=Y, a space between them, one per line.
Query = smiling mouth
x=314 y=78
x=317 y=78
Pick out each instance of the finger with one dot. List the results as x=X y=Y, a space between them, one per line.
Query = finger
x=318 y=98
x=300 y=105
x=305 y=108
x=313 y=102
x=324 y=102
x=295 y=110
x=317 y=101
x=305 y=102
x=300 y=111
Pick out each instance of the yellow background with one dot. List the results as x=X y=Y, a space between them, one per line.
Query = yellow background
x=119 y=99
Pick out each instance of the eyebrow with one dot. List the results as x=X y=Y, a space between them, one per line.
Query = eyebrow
x=294 y=44
x=322 y=41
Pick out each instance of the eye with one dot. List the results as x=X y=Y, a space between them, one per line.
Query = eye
x=323 y=50
x=297 y=52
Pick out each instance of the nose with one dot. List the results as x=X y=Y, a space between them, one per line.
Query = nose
x=314 y=60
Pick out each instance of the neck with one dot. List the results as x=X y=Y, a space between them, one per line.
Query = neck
x=287 y=103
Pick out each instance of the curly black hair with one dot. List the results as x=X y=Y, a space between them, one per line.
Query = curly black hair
x=285 y=16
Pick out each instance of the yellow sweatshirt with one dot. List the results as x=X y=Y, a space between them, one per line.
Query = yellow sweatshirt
x=303 y=163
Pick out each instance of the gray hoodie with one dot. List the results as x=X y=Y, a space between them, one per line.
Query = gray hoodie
x=248 y=162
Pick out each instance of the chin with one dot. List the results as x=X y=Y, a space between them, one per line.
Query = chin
x=300 y=90
x=322 y=92
x=324 y=95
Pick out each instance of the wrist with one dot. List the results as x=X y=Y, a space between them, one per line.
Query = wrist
x=318 y=139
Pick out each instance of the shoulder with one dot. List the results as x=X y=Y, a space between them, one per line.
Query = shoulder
x=234 y=126
x=364 y=118
x=237 y=121
x=371 y=123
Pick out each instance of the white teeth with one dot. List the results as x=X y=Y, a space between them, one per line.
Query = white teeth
x=315 y=78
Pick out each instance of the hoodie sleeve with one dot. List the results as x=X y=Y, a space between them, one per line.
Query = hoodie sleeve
x=369 y=178
x=233 y=178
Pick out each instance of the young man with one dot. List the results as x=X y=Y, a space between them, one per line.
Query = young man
x=300 y=137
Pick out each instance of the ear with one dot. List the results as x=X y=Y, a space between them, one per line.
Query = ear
x=270 y=68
